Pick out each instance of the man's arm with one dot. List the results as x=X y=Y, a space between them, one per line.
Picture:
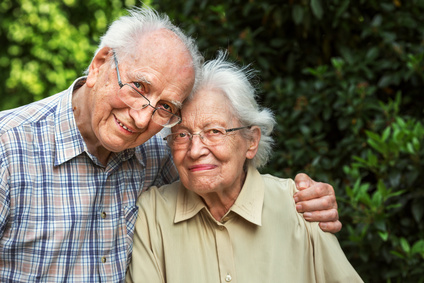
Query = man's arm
x=4 y=199
x=318 y=202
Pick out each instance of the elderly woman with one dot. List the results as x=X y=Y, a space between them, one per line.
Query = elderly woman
x=224 y=221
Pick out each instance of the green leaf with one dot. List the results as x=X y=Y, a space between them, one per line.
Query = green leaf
x=380 y=224
x=416 y=143
x=395 y=193
x=418 y=248
x=405 y=245
x=386 y=134
x=297 y=14
x=377 y=199
x=410 y=148
x=317 y=8
x=398 y=254
x=417 y=211
x=383 y=235
x=400 y=122
x=381 y=188
x=373 y=136
x=372 y=53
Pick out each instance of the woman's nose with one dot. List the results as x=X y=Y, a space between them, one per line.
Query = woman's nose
x=197 y=148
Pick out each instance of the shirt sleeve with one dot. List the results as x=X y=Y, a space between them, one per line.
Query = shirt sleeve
x=168 y=172
x=145 y=266
x=4 y=199
x=331 y=264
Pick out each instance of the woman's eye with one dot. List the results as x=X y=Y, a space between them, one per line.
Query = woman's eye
x=214 y=132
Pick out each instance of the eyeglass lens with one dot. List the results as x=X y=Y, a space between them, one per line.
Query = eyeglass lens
x=136 y=101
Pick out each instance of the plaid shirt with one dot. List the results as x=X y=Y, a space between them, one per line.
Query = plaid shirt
x=64 y=216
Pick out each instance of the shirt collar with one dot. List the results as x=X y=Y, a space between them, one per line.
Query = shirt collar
x=69 y=142
x=248 y=205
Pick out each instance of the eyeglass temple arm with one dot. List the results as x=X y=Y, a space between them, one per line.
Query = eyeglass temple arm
x=236 y=129
x=117 y=69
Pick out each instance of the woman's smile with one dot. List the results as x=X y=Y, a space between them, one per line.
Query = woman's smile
x=201 y=167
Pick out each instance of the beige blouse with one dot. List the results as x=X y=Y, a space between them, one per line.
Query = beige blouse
x=262 y=238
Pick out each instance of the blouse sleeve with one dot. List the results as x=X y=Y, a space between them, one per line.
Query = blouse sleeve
x=331 y=264
x=145 y=266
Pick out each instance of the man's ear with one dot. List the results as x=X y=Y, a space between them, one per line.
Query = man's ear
x=98 y=61
x=253 y=142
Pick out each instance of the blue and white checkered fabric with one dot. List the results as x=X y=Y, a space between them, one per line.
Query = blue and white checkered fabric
x=64 y=216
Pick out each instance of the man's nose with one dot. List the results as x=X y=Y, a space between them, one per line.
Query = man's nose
x=142 y=117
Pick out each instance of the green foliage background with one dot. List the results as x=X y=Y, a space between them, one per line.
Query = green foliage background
x=345 y=79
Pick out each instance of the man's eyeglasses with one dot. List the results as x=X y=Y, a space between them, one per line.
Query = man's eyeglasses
x=209 y=136
x=164 y=115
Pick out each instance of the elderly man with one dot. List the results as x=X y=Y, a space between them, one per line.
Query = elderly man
x=72 y=165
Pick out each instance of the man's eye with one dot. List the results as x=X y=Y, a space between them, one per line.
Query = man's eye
x=139 y=86
x=168 y=107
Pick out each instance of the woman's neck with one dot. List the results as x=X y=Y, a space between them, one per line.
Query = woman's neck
x=219 y=203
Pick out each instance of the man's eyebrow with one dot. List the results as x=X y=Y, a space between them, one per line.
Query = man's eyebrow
x=177 y=104
x=140 y=78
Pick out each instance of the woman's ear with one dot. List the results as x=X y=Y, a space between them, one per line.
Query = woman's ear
x=98 y=61
x=253 y=142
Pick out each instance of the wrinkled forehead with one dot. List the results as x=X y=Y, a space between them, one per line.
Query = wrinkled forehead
x=207 y=106
x=162 y=61
x=166 y=51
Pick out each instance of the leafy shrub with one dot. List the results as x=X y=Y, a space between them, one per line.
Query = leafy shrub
x=343 y=77
x=384 y=204
x=338 y=74
x=49 y=44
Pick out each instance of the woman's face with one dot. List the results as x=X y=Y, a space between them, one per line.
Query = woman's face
x=218 y=168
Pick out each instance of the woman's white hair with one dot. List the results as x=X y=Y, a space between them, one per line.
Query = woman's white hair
x=235 y=83
x=124 y=35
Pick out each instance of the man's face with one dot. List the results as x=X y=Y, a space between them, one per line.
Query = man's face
x=162 y=70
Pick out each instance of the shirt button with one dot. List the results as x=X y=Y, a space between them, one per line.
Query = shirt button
x=103 y=214
x=103 y=259
x=228 y=278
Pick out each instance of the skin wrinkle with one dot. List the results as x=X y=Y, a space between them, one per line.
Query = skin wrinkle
x=134 y=76
x=101 y=108
x=214 y=172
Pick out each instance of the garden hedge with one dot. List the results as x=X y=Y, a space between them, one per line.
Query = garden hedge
x=344 y=79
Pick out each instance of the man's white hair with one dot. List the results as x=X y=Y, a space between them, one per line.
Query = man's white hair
x=125 y=34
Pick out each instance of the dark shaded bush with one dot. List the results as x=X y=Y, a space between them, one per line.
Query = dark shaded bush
x=344 y=78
